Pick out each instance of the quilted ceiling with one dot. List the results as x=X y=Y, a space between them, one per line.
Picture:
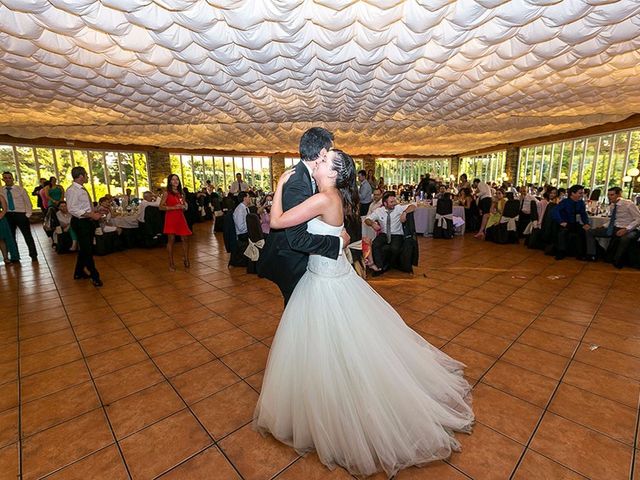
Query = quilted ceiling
x=387 y=76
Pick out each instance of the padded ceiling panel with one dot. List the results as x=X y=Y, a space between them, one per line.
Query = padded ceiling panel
x=399 y=77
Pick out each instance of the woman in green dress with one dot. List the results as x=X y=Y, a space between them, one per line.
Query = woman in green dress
x=54 y=193
x=8 y=245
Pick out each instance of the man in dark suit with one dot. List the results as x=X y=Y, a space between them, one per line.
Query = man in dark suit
x=286 y=253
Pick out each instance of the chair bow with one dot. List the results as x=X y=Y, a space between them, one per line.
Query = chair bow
x=511 y=223
x=253 y=250
x=533 y=224
x=441 y=220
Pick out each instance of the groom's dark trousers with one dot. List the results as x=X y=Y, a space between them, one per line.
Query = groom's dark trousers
x=284 y=258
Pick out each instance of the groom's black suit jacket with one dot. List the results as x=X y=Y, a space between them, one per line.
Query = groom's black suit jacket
x=285 y=255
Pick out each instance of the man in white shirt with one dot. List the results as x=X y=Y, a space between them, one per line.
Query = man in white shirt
x=484 y=195
x=148 y=200
x=240 y=215
x=19 y=211
x=83 y=223
x=387 y=221
x=624 y=220
x=64 y=219
x=239 y=185
x=377 y=201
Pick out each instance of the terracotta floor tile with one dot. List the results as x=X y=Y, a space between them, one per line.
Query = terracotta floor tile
x=145 y=315
x=45 y=342
x=548 y=342
x=560 y=311
x=58 y=407
x=604 y=383
x=183 y=359
x=111 y=360
x=92 y=329
x=143 y=408
x=152 y=327
x=10 y=462
x=439 y=327
x=606 y=359
x=310 y=468
x=213 y=325
x=247 y=361
x=191 y=315
x=596 y=412
x=227 y=410
x=486 y=454
x=255 y=380
x=42 y=328
x=559 y=327
x=208 y=465
x=617 y=326
x=476 y=363
x=167 y=341
x=507 y=414
x=536 y=360
x=107 y=341
x=256 y=457
x=203 y=381
x=501 y=328
x=524 y=384
x=163 y=445
x=9 y=352
x=53 y=380
x=534 y=465
x=8 y=427
x=8 y=371
x=8 y=396
x=262 y=328
x=482 y=342
x=598 y=457
x=104 y=464
x=126 y=381
x=228 y=341
x=54 y=357
x=431 y=471
x=618 y=343
x=133 y=306
x=63 y=444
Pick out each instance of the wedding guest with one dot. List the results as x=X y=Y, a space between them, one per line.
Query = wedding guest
x=8 y=247
x=54 y=193
x=36 y=193
x=126 y=199
x=377 y=201
x=264 y=211
x=365 y=193
x=524 y=215
x=571 y=216
x=388 y=220
x=624 y=220
x=240 y=216
x=79 y=205
x=64 y=220
x=175 y=223
x=238 y=186
x=18 y=212
x=148 y=199
x=484 y=204
x=464 y=182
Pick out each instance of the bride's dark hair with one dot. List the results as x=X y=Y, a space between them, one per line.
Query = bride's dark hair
x=345 y=168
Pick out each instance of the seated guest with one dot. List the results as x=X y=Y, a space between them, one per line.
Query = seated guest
x=240 y=213
x=484 y=196
x=442 y=189
x=106 y=220
x=388 y=220
x=148 y=199
x=571 y=217
x=524 y=216
x=64 y=221
x=624 y=220
x=377 y=201
x=126 y=199
x=264 y=212
x=497 y=208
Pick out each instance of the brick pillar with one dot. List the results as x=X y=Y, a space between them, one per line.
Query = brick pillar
x=277 y=168
x=159 y=168
x=454 y=166
x=369 y=163
x=511 y=164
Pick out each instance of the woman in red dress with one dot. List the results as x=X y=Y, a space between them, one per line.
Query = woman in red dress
x=174 y=204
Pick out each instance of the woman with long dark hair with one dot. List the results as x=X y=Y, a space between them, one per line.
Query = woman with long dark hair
x=174 y=205
x=346 y=376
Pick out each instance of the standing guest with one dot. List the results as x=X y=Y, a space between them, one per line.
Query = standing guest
x=371 y=178
x=18 y=212
x=54 y=193
x=36 y=193
x=264 y=211
x=484 y=204
x=571 y=216
x=126 y=199
x=83 y=224
x=8 y=247
x=387 y=220
x=464 y=182
x=174 y=204
x=240 y=216
x=624 y=220
x=239 y=185
x=381 y=183
x=44 y=199
x=64 y=219
x=148 y=200
x=365 y=193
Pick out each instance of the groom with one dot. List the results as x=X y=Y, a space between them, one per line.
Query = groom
x=285 y=255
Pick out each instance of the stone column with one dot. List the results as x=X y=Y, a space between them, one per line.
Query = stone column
x=454 y=167
x=277 y=168
x=159 y=168
x=511 y=164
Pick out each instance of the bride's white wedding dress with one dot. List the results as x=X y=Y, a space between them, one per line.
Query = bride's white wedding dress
x=346 y=377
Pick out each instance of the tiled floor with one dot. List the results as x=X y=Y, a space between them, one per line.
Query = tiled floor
x=156 y=374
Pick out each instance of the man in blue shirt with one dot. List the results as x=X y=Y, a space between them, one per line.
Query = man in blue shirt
x=573 y=221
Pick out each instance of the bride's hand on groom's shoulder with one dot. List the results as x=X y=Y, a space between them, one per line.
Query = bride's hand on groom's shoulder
x=285 y=176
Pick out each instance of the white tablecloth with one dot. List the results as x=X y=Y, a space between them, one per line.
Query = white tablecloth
x=597 y=222
x=126 y=221
x=424 y=218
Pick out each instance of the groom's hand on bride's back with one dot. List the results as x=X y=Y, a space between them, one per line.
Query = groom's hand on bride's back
x=346 y=239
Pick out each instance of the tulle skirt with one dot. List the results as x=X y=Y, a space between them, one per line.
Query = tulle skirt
x=346 y=377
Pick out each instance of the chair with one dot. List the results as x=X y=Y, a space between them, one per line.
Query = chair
x=63 y=242
x=444 y=219
x=533 y=222
x=506 y=230
x=409 y=254
x=150 y=232
x=256 y=242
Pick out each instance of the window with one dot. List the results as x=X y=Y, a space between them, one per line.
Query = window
x=490 y=167
x=400 y=171
x=290 y=162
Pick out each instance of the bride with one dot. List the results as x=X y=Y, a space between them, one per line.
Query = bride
x=345 y=376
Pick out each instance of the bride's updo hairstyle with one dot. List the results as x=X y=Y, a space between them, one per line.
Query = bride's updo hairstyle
x=345 y=168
